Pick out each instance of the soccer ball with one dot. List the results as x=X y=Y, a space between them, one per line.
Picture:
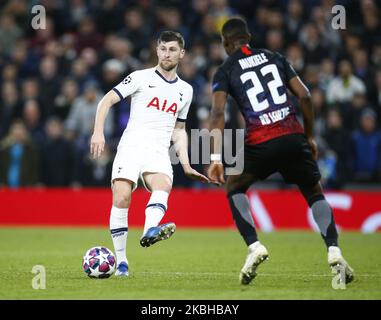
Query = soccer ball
x=99 y=262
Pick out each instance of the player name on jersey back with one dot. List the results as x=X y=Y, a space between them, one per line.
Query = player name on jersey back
x=258 y=79
x=253 y=61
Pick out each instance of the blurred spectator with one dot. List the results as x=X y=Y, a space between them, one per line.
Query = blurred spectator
x=80 y=72
x=19 y=161
x=18 y=9
x=90 y=57
x=314 y=49
x=135 y=30
x=376 y=54
x=188 y=72
x=327 y=162
x=342 y=88
x=311 y=76
x=81 y=118
x=169 y=18
x=78 y=11
x=112 y=73
x=31 y=90
x=26 y=61
x=366 y=144
x=10 y=107
x=294 y=19
x=96 y=172
x=31 y=116
x=275 y=41
x=326 y=73
x=216 y=52
x=57 y=156
x=109 y=18
x=87 y=36
x=9 y=33
x=9 y=73
x=65 y=99
x=196 y=13
x=221 y=11
x=376 y=96
x=338 y=140
x=122 y=51
x=295 y=56
x=322 y=16
x=258 y=26
x=361 y=67
x=49 y=81
x=318 y=101
x=353 y=111
x=43 y=36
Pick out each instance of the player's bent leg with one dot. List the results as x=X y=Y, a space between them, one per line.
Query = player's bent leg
x=160 y=185
x=236 y=187
x=122 y=190
x=323 y=216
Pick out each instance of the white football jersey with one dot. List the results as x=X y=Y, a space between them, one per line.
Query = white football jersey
x=156 y=105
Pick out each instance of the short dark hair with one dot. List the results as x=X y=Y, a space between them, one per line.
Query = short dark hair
x=168 y=35
x=235 y=28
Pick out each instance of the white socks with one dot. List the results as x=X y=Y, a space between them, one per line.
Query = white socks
x=119 y=229
x=156 y=207
x=254 y=246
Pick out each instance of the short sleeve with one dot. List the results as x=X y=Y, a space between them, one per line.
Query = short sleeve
x=183 y=113
x=220 y=81
x=289 y=71
x=128 y=85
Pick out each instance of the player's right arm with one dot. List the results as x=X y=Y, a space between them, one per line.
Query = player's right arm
x=127 y=87
x=97 y=142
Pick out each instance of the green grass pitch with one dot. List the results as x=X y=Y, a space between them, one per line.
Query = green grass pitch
x=193 y=264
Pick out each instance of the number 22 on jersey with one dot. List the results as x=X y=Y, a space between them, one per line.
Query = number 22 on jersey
x=257 y=88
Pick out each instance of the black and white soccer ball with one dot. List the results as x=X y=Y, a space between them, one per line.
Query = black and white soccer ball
x=99 y=262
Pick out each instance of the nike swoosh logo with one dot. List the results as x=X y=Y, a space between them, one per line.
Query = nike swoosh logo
x=149 y=86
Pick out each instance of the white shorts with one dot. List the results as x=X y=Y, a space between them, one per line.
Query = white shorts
x=132 y=161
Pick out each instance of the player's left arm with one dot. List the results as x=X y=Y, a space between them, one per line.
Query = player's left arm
x=217 y=124
x=299 y=89
x=180 y=142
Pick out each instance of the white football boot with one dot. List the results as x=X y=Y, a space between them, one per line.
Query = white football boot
x=337 y=262
x=257 y=254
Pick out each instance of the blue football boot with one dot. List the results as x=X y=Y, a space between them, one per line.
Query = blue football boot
x=122 y=270
x=155 y=234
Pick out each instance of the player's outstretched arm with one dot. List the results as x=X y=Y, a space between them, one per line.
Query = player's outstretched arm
x=180 y=142
x=216 y=127
x=299 y=89
x=97 y=142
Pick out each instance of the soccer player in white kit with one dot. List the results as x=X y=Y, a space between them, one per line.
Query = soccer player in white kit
x=160 y=102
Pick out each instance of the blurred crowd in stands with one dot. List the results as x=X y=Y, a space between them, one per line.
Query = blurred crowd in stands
x=52 y=79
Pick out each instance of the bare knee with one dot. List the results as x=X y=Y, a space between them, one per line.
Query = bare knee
x=121 y=194
x=158 y=181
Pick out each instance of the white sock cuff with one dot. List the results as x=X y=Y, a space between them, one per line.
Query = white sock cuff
x=254 y=246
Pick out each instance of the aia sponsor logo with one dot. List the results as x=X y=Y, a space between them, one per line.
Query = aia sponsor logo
x=165 y=106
